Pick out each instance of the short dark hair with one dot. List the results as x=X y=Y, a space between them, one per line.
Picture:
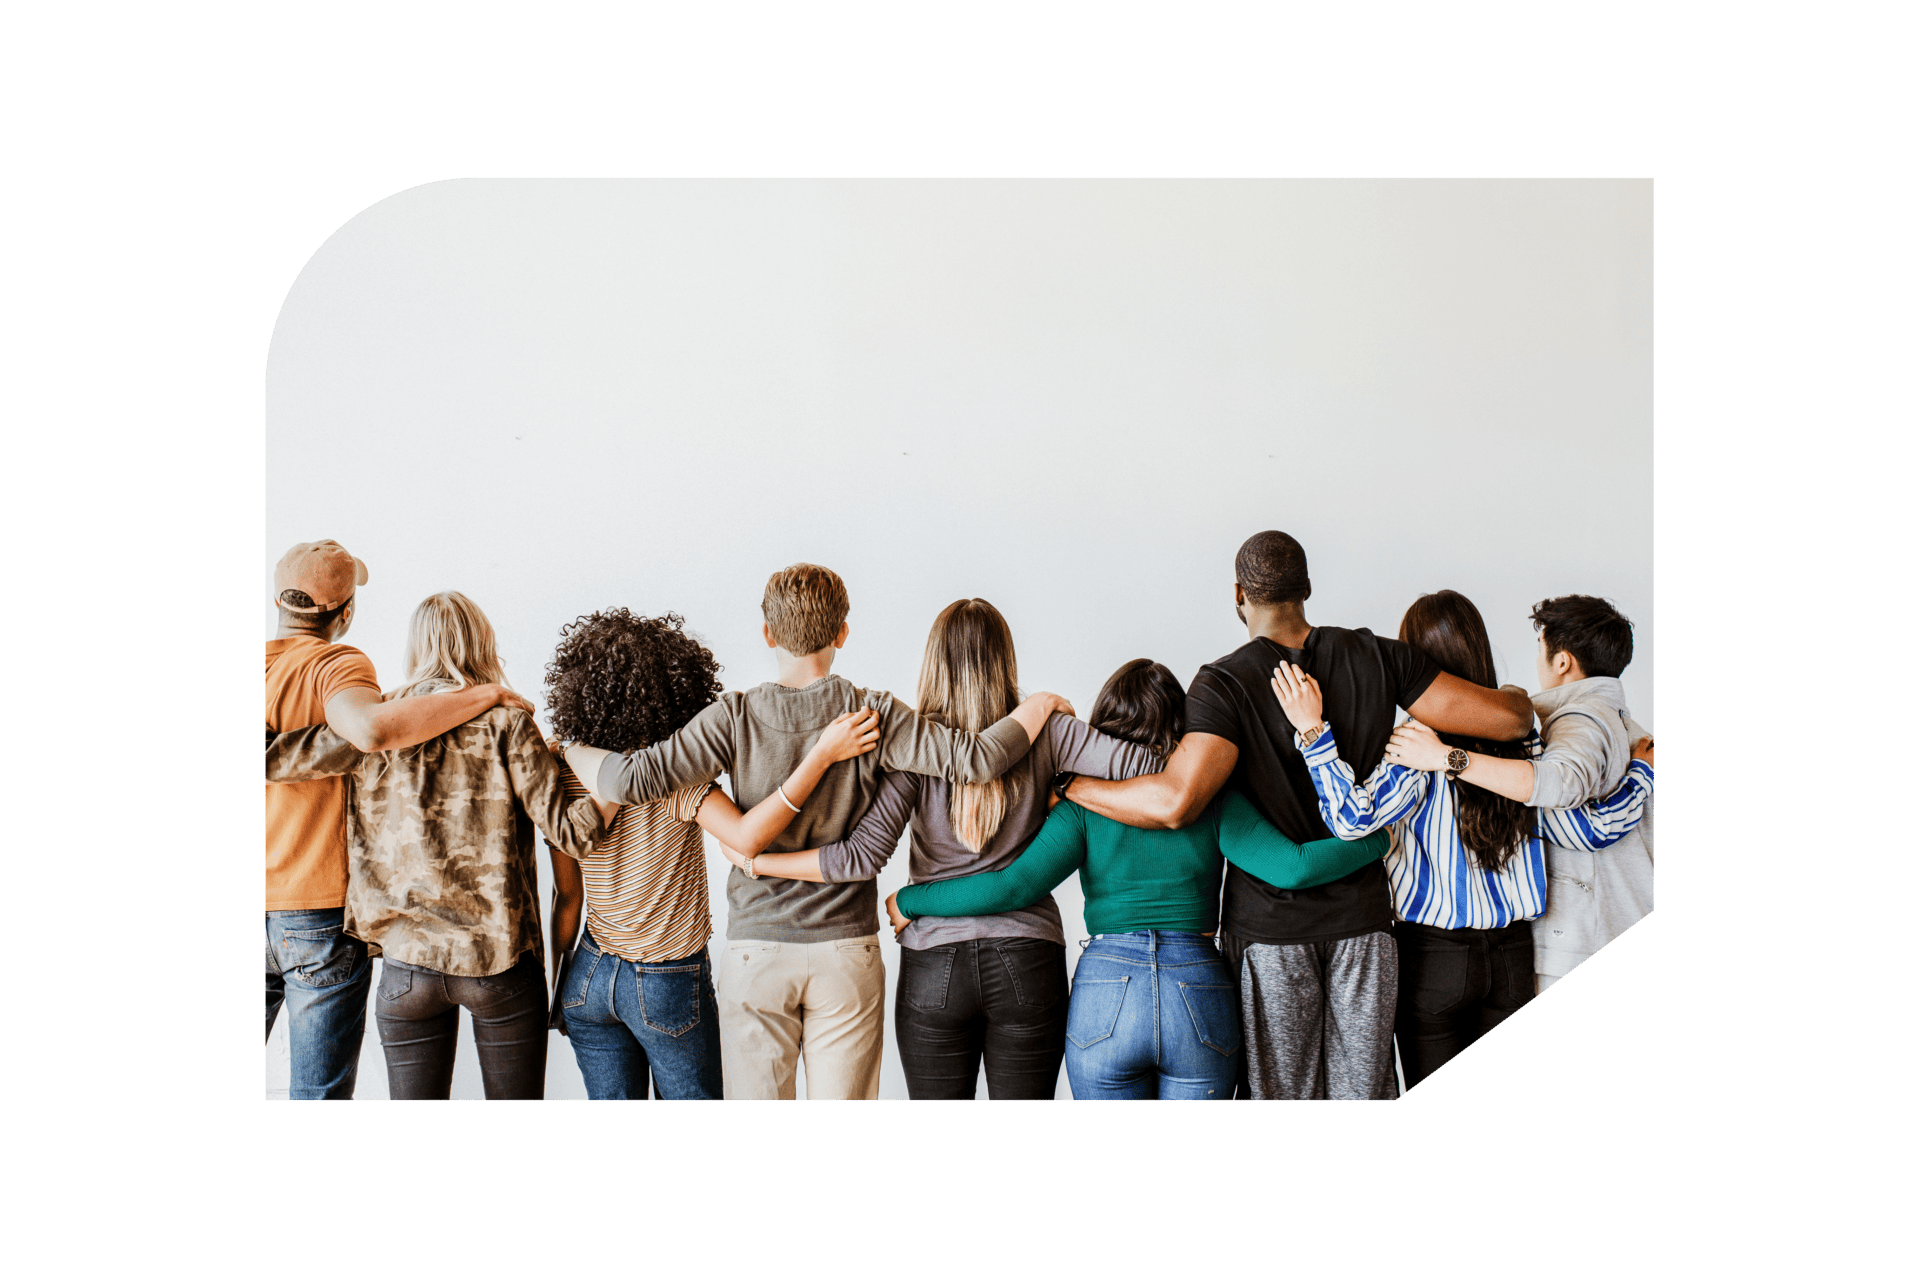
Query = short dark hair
x=301 y=615
x=622 y=681
x=1271 y=568
x=1142 y=703
x=1590 y=629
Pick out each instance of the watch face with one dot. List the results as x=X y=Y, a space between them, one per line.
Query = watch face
x=1456 y=760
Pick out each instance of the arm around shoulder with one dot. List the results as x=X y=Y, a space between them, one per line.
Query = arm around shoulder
x=1453 y=705
x=1199 y=766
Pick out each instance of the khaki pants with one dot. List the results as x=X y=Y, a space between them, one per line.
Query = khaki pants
x=779 y=1000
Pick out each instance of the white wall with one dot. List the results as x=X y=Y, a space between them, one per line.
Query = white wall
x=1074 y=399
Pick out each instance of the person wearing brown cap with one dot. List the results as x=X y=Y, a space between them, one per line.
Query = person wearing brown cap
x=320 y=973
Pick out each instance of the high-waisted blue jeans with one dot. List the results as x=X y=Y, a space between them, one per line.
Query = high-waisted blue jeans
x=627 y=1020
x=1154 y=1014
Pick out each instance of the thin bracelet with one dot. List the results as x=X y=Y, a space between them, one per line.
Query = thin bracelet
x=781 y=791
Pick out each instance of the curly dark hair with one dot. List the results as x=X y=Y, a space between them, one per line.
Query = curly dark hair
x=622 y=681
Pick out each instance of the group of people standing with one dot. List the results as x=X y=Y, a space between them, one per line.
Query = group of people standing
x=1280 y=881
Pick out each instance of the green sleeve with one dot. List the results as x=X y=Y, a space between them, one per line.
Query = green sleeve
x=1055 y=853
x=1254 y=845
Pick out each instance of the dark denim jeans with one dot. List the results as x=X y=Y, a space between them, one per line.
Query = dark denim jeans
x=626 y=1019
x=321 y=975
x=1455 y=986
x=1154 y=1015
x=1004 y=999
x=418 y=1011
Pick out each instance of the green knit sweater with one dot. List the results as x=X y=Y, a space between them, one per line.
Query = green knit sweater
x=1139 y=879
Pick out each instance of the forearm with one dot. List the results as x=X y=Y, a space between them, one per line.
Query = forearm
x=1597 y=824
x=804 y=865
x=986 y=894
x=1151 y=801
x=1354 y=809
x=406 y=722
x=569 y=898
x=754 y=830
x=1510 y=778
x=302 y=755
x=1254 y=845
x=911 y=743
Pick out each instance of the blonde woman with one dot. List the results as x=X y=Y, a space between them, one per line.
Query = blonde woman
x=973 y=988
x=441 y=873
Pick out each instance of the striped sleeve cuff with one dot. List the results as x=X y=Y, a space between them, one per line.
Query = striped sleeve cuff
x=1322 y=751
x=1642 y=768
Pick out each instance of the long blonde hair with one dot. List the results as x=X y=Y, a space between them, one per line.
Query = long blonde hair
x=968 y=680
x=450 y=639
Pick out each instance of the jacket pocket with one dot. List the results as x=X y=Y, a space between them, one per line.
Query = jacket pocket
x=1094 y=1009
x=1215 y=1010
x=925 y=977
x=670 y=997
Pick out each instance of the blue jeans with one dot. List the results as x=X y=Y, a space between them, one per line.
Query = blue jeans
x=1153 y=1015
x=625 y=1019
x=322 y=975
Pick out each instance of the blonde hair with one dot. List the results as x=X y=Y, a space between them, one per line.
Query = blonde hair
x=804 y=605
x=450 y=639
x=968 y=680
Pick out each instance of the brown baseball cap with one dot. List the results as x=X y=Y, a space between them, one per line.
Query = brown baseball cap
x=323 y=571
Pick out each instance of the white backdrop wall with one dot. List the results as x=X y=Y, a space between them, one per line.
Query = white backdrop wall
x=1074 y=399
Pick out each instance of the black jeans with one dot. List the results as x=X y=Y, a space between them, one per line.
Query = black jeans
x=1004 y=998
x=1455 y=986
x=418 y=1012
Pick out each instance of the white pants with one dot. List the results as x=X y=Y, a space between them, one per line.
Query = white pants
x=780 y=1000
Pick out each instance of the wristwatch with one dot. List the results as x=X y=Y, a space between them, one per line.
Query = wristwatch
x=1310 y=736
x=751 y=873
x=1456 y=763
x=1061 y=781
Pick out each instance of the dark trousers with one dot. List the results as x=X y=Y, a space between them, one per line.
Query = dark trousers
x=418 y=1012
x=1004 y=999
x=1455 y=986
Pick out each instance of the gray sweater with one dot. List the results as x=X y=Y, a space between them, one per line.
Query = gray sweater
x=758 y=738
x=1067 y=746
x=1592 y=897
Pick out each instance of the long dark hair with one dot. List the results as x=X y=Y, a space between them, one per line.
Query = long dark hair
x=1447 y=628
x=1142 y=703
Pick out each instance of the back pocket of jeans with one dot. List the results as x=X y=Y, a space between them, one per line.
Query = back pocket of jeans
x=1094 y=1009
x=324 y=957
x=1215 y=1011
x=670 y=998
x=1036 y=968
x=924 y=977
x=1440 y=982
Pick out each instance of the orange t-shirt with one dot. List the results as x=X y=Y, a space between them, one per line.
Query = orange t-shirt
x=307 y=821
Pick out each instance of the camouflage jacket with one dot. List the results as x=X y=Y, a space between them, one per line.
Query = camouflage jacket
x=440 y=849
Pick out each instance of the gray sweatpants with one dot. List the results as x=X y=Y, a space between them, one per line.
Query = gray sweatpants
x=1318 y=1016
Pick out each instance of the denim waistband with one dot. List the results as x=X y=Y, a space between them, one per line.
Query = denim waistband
x=1145 y=941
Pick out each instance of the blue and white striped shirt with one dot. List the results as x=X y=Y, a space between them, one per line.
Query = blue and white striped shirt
x=1435 y=880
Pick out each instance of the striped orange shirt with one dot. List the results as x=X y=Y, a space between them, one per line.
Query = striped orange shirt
x=646 y=882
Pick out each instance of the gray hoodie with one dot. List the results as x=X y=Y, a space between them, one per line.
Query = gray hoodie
x=1592 y=898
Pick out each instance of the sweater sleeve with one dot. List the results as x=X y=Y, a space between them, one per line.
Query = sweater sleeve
x=911 y=743
x=700 y=751
x=1080 y=748
x=571 y=825
x=1254 y=845
x=1572 y=768
x=1354 y=809
x=871 y=843
x=1053 y=855
x=302 y=755
x=1598 y=823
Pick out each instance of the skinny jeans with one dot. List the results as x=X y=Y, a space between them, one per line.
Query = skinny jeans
x=1154 y=1014
x=998 y=1000
x=418 y=1013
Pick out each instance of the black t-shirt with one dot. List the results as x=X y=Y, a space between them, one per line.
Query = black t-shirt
x=1362 y=677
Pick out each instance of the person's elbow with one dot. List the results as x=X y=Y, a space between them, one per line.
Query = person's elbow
x=1171 y=808
x=366 y=733
x=1516 y=716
